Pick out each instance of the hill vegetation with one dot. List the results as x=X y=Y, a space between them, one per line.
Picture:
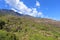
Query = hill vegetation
x=28 y=28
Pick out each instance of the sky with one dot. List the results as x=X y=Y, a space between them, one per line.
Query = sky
x=36 y=8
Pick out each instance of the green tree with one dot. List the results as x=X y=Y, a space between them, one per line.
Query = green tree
x=2 y=23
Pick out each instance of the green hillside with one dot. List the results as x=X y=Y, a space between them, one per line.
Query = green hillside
x=23 y=28
x=28 y=28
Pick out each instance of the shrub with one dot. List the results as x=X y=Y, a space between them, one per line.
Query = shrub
x=2 y=23
x=7 y=36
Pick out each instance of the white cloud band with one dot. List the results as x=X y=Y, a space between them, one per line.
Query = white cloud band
x=20 y=7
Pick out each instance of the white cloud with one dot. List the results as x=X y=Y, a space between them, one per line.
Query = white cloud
x=40 y=14
x=37 y=3
x=14 y=9
x=12 y=2
x=20 y=7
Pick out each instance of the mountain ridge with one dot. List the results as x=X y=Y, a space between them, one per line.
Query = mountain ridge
x=6 y=11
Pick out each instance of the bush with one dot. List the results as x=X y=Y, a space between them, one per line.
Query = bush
x=7 y=36
x=2 y=23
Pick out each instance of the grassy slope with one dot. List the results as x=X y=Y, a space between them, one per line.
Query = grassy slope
x=26 y=28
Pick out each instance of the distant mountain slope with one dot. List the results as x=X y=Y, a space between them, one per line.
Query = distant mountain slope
x=25 y=27
x=9 y=12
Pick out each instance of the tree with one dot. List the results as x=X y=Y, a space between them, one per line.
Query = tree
x=2 y=23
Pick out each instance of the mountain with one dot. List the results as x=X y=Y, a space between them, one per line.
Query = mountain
x=9 y=12
x=25 y=27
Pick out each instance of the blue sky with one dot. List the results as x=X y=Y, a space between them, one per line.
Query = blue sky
x=36 y=8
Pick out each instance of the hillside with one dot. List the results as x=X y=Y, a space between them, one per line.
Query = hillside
x=23 y=27
x=9 y=12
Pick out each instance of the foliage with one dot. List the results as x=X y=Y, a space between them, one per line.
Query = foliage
x=7 y=36
x=24 y=28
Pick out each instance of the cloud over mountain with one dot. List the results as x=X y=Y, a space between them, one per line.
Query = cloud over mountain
x=20 y=7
